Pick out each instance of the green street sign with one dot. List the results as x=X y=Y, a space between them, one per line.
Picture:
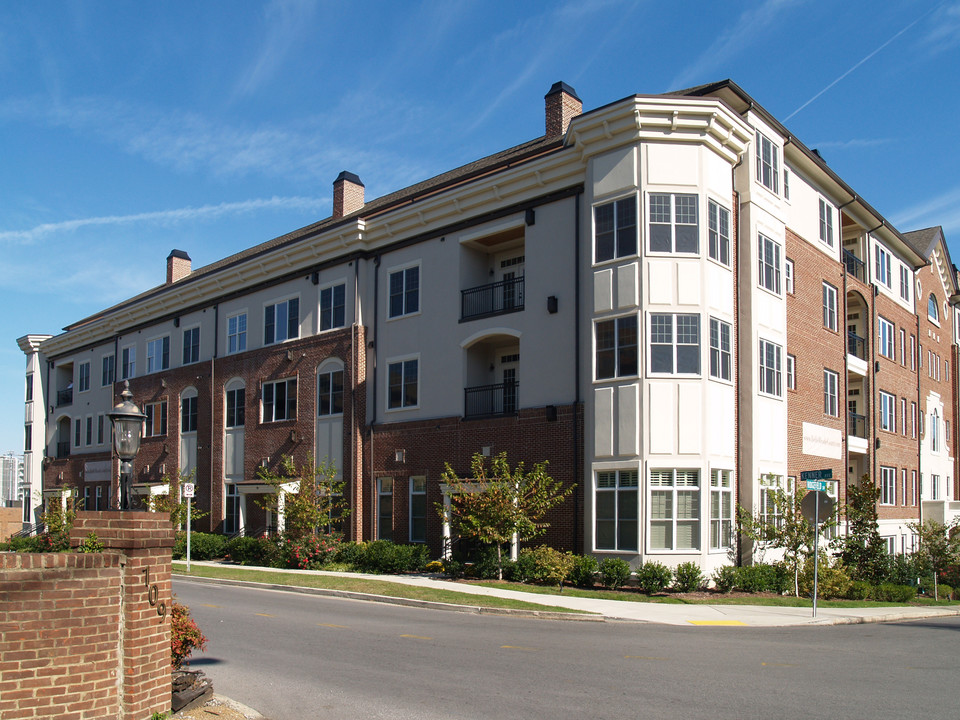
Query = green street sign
x=826 y=474
x=820 y=485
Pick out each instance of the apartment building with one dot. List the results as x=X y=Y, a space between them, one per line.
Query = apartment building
x=651 y=296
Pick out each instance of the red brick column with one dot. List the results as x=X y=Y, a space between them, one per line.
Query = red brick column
x=145 y=540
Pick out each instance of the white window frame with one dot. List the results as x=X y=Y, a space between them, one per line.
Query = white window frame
x=934 y=431
x=289 y=384
x=904 y=283
x=934 y=487
x=237 y=339
x=885 y=337
x=158 y=345
x=769 y=485
x=88 y=431
x=718 y=233
x=128 y=362
x=108 y=370
x=831 y=386
x=152 y=425
x=385 y=488
x=721 y=350
x=888 y=411
x=288 y=333
x=191 y=359
x=721 y=509
x=882 y=261
x=621 y=349
x=768 y=162
x=788 y=276
x=332 y=316
x=679 y=217
x=404 y=363
x=769 y=268
x=676 y=346
x=190 y=396
x=406 y=293
x=791 y=371
x=826 y=223
x=933 y=310
x=83 y=376
x=329 y=400
x=623 y=235
x=829 y=306
x=235 y=395
x=670 y=510
x=418 y=489
x=771 y=374
x=622 y=485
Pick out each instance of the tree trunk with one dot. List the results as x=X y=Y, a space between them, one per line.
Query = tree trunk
x=499 y=562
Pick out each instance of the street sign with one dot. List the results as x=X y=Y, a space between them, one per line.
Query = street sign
x=825 y=474
x=188 y=489
x=817 y=506
x=817 y=485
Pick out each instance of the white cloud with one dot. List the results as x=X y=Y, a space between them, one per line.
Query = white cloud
x=851 y=143
x=943 y=210
x=945 y=31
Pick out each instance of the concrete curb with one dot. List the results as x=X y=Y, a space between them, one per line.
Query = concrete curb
x=406 y=602
x=239 y=707
x=890 y=617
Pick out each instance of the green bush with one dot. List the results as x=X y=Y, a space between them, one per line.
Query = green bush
x=907 y=570
x=653 y=577
x=944 y=591
x=383 y=557
x=486 y=565
x=614 y=572
x=525 y=568
x=203 y=546
x=30 y=544
x=350 y=553
x=689 y=578
x=833 y=581
x=763 y=578
x=860 y=590
x=251 y=551
x=583 y=574
x=725 y=578
x=453 y=568
x=890 y=592
x=543 y=564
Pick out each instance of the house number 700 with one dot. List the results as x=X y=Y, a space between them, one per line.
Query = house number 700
x=153 y=595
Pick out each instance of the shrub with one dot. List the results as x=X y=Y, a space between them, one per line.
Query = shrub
x=763 y=578
x=689 y=577
x=90 y=544
x=350 y=553
x=544 y=564
x=907 y=570
x=382 y=557
x=486 y=565
x=890 y=592
x=184 y=635
x=453 y=568
x=434 y=566
x=25 y=544
x=725 y=578
x=525 y=568
x=583 y=574
x=860 y=590
x=308 y=552
x=833 y=581
x=944 y=591
x=251 y=550
x=204 y=546
x=653 y=577
x=614 y=572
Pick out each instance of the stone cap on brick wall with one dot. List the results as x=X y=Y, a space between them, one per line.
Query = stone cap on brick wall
x=124 y=530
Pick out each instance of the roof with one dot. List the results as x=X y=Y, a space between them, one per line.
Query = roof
x=923 y=241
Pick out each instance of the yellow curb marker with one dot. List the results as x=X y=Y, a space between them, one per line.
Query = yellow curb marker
x=725 y=623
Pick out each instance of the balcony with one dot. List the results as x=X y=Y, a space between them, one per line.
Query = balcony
x=496 y=298
x=856 y=346
x=65 y=397
x=857 y=425
x=490 y=400
x=855 y=266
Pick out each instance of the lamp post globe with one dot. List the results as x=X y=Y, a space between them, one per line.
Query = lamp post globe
x=127 y=421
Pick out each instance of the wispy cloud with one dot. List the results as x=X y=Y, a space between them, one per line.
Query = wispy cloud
x=733 y=40
x=851 y=143
x=945 y=29
x=943 y=210
x=164 y=217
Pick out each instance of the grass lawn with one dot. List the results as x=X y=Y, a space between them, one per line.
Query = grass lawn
x=350 y=583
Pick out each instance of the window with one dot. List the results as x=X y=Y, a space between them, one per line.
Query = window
x=770 y=368
x=280 y=400
x=903 y=347
x=100 y=425
x=829 y=307
x=721 y=510
x=903 y=486
x=913 y=352
x=904 y=283
x=128 y=362
x=882 y=258
x=933 y=311
x=615 y=229
x=237 y=333
x=885 y=337
x=913 y=420
x=156 y=422
x=788 y=275
x=617 y=510
x=903 y=416
x=771 y=512
x=934 y=487
x=76 y=432
x=768 y=162
x=236 y=407
x=191 y=346
x=935 y=431
x=27 y=438
x=718 y=222
x=158 y=354
x=830 y=384
x=231 y=516
x=29 y=391
x=89 y=432
x=674 y=509
x=674 y=223
x=83 y=377
x=674 y=343
x=418 y=509
x=791 y=372
x=769 y=254
x=888 y=420
x=188 y=414
x=108 y=370
x=402 y=384
x=281 y=321
x=330 y=393
x=720 y=349
x=385 y=508
x=826 y=222
x=332 y=307
x=617 y=347
x=913 y=487
x=404 y=292
x=786 y=183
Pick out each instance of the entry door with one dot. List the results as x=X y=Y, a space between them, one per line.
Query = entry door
x=508 y=370
x=510 y=270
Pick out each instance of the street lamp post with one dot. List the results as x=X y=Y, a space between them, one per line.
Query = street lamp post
x=127 y=423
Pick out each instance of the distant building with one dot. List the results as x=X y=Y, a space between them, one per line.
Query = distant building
x=11 y=474
x=670 y=298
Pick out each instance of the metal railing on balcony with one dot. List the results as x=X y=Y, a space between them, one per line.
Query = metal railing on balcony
x=856 y=345
x=63 y=449
x=65 y=397
x=487 y=400
x=494 y=299
x=855 y=266
x=857 y=425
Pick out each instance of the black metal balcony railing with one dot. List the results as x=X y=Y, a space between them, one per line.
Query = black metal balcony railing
x=65 y=397
x=857 y=425
x=493 y=299
x=63 y=449
x=486 y=400
x=855 y=266
x=856 y=345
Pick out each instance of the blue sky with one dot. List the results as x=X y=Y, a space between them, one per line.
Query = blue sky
x=130 y=129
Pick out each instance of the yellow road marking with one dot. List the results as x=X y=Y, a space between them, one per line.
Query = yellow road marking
x=643 y=657
x=344 y=627
x=726 y=623
x=517 y=647
x=263 y=614
x=417 y=637
x=766 y=664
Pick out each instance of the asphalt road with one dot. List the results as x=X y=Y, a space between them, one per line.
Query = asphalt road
x=299 y=657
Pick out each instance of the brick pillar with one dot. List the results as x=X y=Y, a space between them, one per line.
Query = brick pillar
x=145 y=541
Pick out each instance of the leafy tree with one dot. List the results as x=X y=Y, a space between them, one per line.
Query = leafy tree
x=498 y=503
x=862 y=549
x=316 y=501
x=939 y=547
x=168 y=503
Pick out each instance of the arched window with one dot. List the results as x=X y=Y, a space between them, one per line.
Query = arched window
x=235 y=404
x=188 y=410
x=330 y=388
x=933 y=311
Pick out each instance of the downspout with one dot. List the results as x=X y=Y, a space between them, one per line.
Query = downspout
x=736 y=352
x=577 y=426
x=920 y=422
x=355 y=471
x=213 y=404
x=372 y=373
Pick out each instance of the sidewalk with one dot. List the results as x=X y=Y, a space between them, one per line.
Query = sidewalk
x=618 y=610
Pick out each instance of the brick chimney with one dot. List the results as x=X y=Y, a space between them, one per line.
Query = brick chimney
x=347 y=194
x=178 y=266
x=562 y=105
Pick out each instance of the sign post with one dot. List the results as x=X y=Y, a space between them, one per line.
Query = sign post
x=815 y=501
x=188 y=489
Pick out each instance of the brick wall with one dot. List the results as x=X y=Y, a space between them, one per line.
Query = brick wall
x=85 y=635
x=11 y=521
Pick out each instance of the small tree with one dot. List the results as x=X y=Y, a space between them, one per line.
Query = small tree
x=939 y=547
x=177 y=508
x=862 y=549
x=311 y=496
x=497 y=504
